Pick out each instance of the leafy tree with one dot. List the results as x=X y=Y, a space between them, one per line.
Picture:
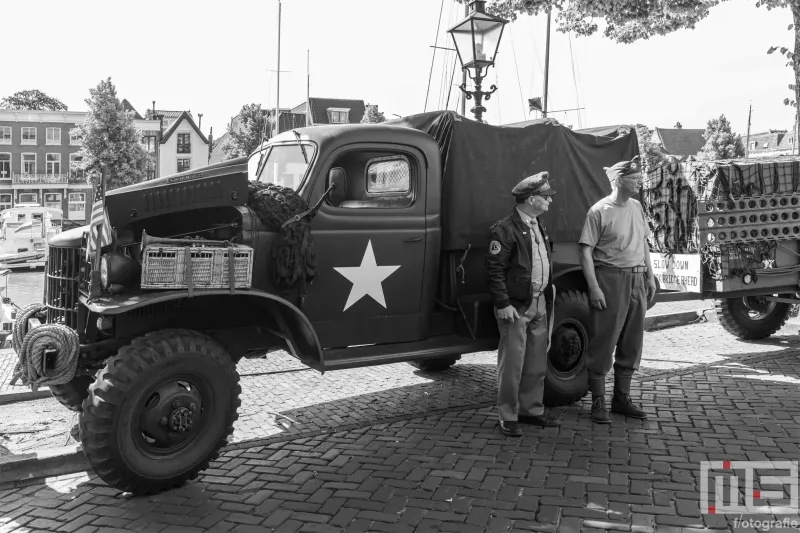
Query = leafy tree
x=372 y=115
x=630 y=20
x=249 y=134
x=652 y=153
x=32 y=99
x=109 y=138
x=721 y=142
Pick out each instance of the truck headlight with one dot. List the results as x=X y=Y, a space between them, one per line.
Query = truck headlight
x=119 y=269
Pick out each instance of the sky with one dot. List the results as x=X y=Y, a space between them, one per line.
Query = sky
x=213 y=57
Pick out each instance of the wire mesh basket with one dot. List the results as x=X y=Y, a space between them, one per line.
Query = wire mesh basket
x=172 y=267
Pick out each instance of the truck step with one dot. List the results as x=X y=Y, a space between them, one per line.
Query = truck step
x=384 y=354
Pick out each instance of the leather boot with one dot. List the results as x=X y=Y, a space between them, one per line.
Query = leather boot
x=622 y=403
x=597 y=386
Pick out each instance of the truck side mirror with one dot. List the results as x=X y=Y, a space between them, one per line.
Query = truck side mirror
x=337 y=179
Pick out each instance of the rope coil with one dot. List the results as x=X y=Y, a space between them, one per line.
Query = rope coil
x=31 y=346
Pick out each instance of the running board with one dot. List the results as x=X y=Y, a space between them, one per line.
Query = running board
x=384 y=354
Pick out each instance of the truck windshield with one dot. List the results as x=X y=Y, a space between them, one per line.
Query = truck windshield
x=282 y=164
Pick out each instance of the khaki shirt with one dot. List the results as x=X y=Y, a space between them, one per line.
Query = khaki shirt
x=616 y=233
x=540 y=268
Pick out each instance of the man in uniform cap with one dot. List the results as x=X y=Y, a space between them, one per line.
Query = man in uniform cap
x=520 y=280
x=615 y=258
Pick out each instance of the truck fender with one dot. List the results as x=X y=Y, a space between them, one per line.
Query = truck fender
x=294 y=326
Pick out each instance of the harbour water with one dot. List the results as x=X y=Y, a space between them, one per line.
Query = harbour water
x=25 y=286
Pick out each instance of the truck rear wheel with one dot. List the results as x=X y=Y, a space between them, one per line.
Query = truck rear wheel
x=72 y=394
x=159 y=411
x=752 y=317
x=567 y=380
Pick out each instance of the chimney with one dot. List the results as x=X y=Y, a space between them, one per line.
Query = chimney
x=154 y=107
x=678 y=126
x=200 y=124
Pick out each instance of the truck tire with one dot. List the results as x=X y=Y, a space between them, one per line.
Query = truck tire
x=567 y=380
x=159 y=411
x=435 y=365
x=752 y=317
x=72 y=394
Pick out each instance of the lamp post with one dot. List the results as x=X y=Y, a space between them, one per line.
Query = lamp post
x=477 y=39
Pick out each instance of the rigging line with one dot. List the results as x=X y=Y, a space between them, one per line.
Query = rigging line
x=445 y=64
x=435 y=43
x=575 y=81
x=516 y=66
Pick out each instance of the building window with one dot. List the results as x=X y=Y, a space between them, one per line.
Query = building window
x=75 y=172
x=149 y=143
x=5 y=166
x=29 y=163
x=5 y=134
x=183 y=164
x=184 y=144
x=76 y=208
x=339 y=116
x=766 y=145
x=74 y=140
x=5 y=202
x=52 y=199
x=53 y=136
x=28 y=136
x=151 y=170
x=28 y=198
x=53 y=164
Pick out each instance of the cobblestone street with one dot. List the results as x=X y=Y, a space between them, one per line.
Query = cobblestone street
x=394 y=449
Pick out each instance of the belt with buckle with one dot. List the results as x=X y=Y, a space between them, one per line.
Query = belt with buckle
x=634 y=270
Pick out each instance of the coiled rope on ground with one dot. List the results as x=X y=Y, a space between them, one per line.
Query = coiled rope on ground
x=31 y=346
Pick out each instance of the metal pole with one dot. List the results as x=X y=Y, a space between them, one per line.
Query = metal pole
x=747 y=142
x=278 y=91
x=308 y=85
x=546 y=64
x=464 y=74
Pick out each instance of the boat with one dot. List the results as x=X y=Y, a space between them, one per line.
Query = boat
x=24 y=231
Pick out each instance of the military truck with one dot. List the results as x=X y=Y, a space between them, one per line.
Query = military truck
x=344 y=245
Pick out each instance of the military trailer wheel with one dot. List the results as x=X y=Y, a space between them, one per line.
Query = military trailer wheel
x=72 y=394
x=567 y=380
x=752 y=317
x=160 y=410
x=436 y=364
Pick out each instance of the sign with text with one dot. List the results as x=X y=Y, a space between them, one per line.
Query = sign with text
x=679 y=272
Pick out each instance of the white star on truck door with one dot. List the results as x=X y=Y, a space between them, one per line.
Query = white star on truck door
x=366 y=278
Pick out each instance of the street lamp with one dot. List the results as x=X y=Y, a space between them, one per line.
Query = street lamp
x=477 y=39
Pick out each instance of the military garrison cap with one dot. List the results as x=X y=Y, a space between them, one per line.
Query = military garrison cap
x=537 y=184
x=624 y=168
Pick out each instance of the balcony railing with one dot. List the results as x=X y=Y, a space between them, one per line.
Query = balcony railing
x=54 y=179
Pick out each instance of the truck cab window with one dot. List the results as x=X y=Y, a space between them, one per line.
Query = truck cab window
x=282 y=164
x=377 y=180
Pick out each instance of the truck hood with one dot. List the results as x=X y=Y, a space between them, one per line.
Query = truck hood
x=222 y=184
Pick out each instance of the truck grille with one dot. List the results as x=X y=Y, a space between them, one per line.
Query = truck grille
x=63 y=273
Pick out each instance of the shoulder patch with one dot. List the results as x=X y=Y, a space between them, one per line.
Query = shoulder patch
x=495 y=247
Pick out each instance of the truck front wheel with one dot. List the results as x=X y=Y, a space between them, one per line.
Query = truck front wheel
x=752 y=317
x=159 y=411
x=566 y=380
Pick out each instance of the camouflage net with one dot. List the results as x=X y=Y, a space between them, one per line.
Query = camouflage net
x=293 y=254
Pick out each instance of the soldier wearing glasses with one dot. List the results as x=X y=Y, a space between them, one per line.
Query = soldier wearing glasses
x=520 y=276
x=615 y=259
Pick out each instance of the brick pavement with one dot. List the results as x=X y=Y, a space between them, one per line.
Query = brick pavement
x=454 y=471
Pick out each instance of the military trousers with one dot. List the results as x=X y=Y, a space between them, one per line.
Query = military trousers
x=617 y=332
x=522 y=362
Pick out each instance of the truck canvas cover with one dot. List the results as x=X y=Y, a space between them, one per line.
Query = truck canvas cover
x=482 y=163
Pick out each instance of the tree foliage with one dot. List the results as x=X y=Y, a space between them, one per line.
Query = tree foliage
x=653 y=155
x=372 y=115
x=721 y=141
x=631 y=20
x=109 y=138
x=248 y=135
x=33 y=99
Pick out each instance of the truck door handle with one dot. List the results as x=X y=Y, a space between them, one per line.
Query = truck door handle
x=413 y=239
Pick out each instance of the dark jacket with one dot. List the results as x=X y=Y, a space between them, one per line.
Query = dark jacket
x=508 y=263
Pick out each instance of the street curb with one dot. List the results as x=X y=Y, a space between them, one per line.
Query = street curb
x=13 y=397
x=670 y=320
x=43 y=463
